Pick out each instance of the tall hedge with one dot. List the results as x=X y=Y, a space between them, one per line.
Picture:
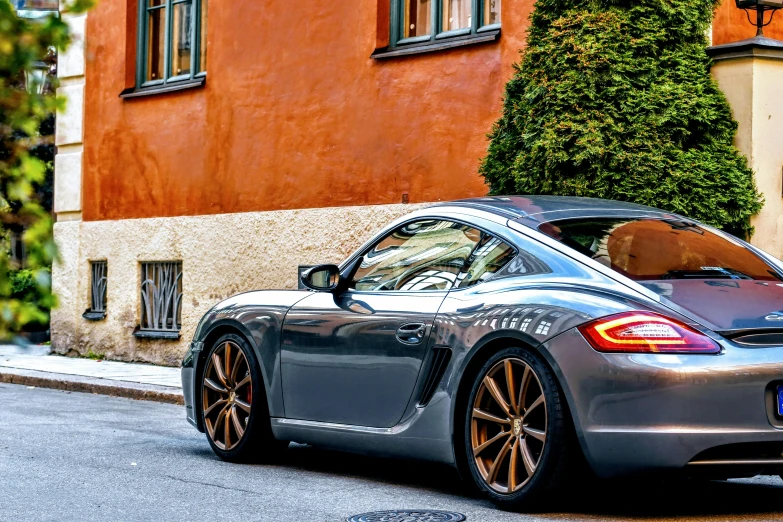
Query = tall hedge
x=614 y=99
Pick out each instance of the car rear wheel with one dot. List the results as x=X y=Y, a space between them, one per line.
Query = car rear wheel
x=234 y=407
x=518 y=437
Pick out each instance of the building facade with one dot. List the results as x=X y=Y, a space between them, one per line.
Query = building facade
x=210 y=148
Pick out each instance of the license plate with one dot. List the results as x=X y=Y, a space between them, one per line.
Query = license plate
x=780 y=401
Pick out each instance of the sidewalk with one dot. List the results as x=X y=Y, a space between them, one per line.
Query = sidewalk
x=33 y=366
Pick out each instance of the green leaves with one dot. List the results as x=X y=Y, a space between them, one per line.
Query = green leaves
x=613 y=99
x=26 y=295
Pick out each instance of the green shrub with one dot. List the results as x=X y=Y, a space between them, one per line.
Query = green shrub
x=614 y=99
x=33 y=287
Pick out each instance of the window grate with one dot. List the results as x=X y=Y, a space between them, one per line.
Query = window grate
x=98 y=284
x=161 y=296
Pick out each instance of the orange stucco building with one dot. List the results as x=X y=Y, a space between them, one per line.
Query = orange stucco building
x=244 y=139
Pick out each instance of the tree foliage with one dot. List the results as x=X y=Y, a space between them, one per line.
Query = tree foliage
x=614 y=99
x=23 y=42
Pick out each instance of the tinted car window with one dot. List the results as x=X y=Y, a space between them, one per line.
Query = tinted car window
x=488 y=257
x=659 y=249
x=420 y=256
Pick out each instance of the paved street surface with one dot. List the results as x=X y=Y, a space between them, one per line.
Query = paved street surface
x=74 y=456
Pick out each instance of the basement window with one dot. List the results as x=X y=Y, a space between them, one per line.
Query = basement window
x=98 y=283
x=172 y=46
x=161 y=300
x=419 y=26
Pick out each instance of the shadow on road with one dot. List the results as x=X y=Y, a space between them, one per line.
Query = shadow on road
x=601 y=499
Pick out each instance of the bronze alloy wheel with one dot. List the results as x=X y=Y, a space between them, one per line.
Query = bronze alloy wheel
x=509 y=425
x=227 y=396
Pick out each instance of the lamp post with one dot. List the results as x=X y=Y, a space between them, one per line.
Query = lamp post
x=761 y=7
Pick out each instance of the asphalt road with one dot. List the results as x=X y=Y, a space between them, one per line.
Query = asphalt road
x=71 y=456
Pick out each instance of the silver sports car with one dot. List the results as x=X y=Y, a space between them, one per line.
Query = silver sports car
x=515 y=338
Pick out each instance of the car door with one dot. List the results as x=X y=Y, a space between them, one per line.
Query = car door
x=353 y=358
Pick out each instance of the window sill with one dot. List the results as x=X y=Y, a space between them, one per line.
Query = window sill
x=94 y=316
x=150 y=334
x=163 y=88
x=437 y=45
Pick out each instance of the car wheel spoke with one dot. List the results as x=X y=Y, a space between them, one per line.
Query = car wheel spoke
x=536 y=434
x=217 y=364
x=235 y=367
x=244 y=381
x=227 y=429
x=489 y=443
x=526 y=377
x=218 y=423
x=227 y=367
x=493 y=470
x=493 y=389
x=482 y=415
x=527 y=458
x=242 y=404
x=217 y=403
x=510 y=385
x=536 y=403
x=512 y=467
x=237 y=425
x=212 y=385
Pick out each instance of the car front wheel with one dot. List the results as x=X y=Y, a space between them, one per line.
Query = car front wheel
x=518 y=437
x=234 y=408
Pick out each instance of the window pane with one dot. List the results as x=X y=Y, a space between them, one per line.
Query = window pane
x=489 y=257
x=457 y=14
x=491 y=12
x=156 y=20
x=202 y=66
x=421 y=256
x=659 y=249
x=181 y=41
x=417 y=20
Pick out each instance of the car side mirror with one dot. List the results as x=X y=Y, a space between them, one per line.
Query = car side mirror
x=322 y=278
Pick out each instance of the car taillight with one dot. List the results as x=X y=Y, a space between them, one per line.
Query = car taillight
x=645 y=332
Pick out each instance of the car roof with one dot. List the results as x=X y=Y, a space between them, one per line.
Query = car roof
x=540 y=209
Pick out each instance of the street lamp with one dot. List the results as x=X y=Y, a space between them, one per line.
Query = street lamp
x=36 y=76
x=761 y=7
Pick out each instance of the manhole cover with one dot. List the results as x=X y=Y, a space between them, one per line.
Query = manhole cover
x=408 y=515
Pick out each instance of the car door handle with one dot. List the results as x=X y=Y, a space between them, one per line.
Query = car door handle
x=411 y=333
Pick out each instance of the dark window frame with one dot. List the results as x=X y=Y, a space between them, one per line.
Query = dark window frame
x=166 y=279
x=169 y=83
x=437 y=39
x=99 y=269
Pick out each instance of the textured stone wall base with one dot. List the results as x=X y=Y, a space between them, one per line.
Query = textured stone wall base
x=221 y=255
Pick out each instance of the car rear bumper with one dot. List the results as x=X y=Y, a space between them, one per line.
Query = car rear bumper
x=648 y=412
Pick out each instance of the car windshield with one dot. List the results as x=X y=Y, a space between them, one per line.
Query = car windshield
x=659 y=249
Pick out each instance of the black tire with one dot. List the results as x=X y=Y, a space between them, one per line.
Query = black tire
x=256 y=443
x=559 y=456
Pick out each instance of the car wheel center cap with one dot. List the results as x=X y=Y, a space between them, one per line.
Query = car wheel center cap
x=517 y=427
x=231 y=396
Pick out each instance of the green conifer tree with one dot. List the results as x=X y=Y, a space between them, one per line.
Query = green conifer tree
x=614 y=99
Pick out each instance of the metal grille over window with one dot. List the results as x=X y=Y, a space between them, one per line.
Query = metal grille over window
x=98 y=284
x=161 y=299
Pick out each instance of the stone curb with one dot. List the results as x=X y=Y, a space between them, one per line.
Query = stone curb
x=77 y=383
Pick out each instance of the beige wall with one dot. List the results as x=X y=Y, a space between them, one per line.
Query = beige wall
x=753 y=86
x=221 y=255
